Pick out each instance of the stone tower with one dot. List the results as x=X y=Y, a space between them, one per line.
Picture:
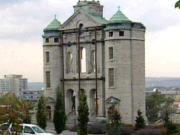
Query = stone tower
x=125 y=65
x=105 y=59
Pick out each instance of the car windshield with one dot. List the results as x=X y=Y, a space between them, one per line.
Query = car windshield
x=38 y=129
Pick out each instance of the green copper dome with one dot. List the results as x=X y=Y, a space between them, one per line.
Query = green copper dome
x=119 y=17
x=54 y=25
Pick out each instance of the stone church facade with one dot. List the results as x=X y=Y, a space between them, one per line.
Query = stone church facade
x=103 y=58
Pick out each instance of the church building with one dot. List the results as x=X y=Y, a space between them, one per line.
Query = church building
x=104 y=58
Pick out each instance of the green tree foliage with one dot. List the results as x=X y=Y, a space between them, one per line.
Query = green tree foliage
x=157 y=105
x=114 y=124
x=59 y=113
x=177 y=5
x=83 y=113
x=41 y=115
x=140 y=122
x=13 y=111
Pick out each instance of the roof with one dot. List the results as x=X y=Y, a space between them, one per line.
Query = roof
x=97 y=18
x=119 y=17
x=54 y=25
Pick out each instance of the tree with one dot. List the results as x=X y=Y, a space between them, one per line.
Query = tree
x=156 y=106
x=59 y=112
x=12 y=111
x=140 y=122
x=114 y=124
x=83 y=113
x=177 y=5
x=41 y=115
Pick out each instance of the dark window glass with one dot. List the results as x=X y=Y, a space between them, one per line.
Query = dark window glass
x=47 y=40
x=110 y=34
x=111 y=53
x=56 y=40
x=111 y=77
x=28 y=130
x=121 y=33
x=47 y=57
x=48 y=81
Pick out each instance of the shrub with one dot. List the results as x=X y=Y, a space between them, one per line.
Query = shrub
x=59 y=113
x=83 y=113
x=114 y=124
x=41 y=114
x=140 y=122
x=149 y=132
x=127 y=131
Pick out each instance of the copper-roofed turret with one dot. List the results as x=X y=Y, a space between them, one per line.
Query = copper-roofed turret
x=54 y=25
x=119 y=17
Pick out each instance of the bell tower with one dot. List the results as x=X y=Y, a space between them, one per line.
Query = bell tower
x=91 y=6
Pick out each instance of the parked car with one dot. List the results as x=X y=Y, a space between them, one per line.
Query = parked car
x=30 y=129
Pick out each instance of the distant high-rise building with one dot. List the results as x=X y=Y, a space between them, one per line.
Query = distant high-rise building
x=13 y=83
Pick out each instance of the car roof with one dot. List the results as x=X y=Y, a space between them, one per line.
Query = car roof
x=28 y=125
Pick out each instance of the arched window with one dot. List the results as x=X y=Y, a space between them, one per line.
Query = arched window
x=93 y=69
x=83 y=60
x=69 y=62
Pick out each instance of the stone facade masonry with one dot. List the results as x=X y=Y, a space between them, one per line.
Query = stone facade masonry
x=128 y=63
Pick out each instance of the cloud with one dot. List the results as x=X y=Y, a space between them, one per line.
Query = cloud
x=22 y=23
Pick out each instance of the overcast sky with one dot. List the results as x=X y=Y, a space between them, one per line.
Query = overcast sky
x=22 y=23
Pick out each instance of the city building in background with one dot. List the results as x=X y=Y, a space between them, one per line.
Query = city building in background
x=13 y=83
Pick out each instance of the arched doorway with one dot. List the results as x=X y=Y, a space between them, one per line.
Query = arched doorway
x=70 y=101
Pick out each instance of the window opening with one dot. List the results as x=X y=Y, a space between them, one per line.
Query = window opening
x=83 y=60
x=110 y=34
x=111 y=53
x=47 y=40
x=47 y=57
x=111 y=77
x=69 y=62
x=56 y=40
x=48 y=81
x=121 y=33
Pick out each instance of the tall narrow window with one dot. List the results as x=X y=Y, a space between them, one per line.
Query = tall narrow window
x=111 y=77
x=48 y=80
x=111 y=53
x=83 y=60
x=93 y=60
x=111 y=34
x=69 y=62
x=47 y=57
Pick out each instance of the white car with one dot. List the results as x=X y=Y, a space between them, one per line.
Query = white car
x=30 y=129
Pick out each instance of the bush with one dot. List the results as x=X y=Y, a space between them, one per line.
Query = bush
x=140 y=122
x=150 y=132
x=83 y=113
x=41 y=114
x=127 y=131
x=59 y=113
x=171 y=127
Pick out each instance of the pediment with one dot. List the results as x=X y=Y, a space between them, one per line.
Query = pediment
x=85 y=18
x=112 y=100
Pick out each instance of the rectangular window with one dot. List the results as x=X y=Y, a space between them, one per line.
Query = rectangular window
x=47 y=40
x=56 y=40
x=110 y=34
x=121 y=33
x=48 y=80
x=47 y=57
x=111 y=77
x=111 y=53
